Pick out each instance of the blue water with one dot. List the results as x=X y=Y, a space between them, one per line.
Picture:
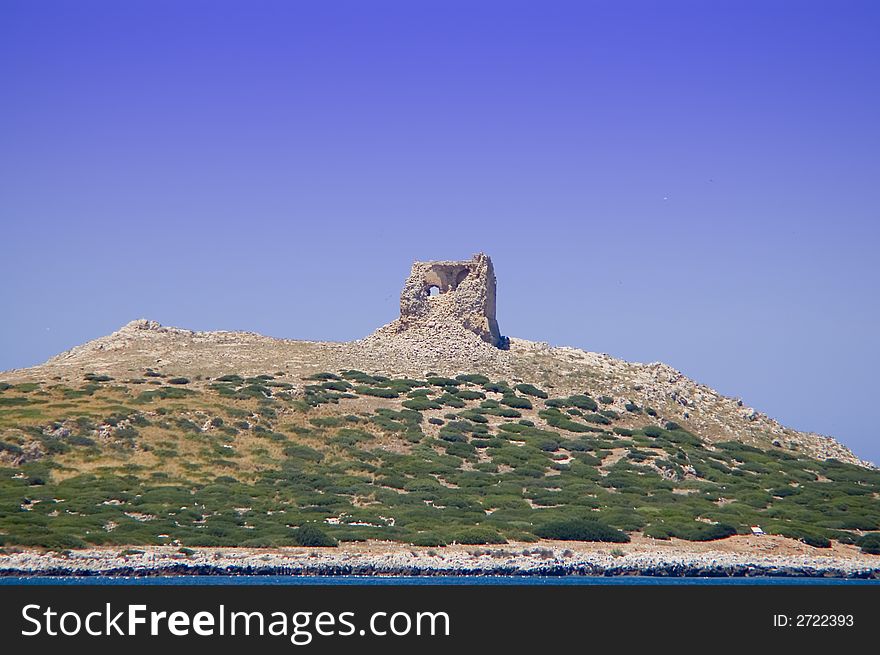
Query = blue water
x=287 y=580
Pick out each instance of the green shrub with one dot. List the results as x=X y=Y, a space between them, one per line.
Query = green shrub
x=337 y=385
x=869 y=543
x=311 y=535
x=178 y=381
x=451 y=401
x=606 y=400
x=427 y=539
x=652 y=431
x=557 y=419
x=473 y=378
x=318 y=422
x=421 y=403
x=517 y=402
x=301 y=451
x=443 y=382
x=809 y=537
x=469 y=394
x=473 y=415
x=9 y=402
x=690 y=530
x=378 y=392
x=582 y=401
x=580 y=530
x=315 y=376
x=531 y=390
x=13 y=449
x=91 y=377
x=461 y=449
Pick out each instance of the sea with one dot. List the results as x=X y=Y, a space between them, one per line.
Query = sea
x=378 y=581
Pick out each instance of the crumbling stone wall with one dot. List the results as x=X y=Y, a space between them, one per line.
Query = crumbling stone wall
x=465 y=296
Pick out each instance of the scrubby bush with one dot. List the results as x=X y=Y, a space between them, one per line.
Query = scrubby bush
x=337 y=385
x=91 y=377
x=438 y=381
x=517 y=402
x=452 y=435
x=809 y=537
x=311 y=535
x=420 y=403
x=301 y=451
x=178 y=381
x=461 y=449
x=450 y=400
x=378 y=392
x=580 y=530
x=473 y=415
x=427 y=539
x=557 y=419
x=531 y=390
x=869 y=543
x=690 y=530
x=582 y=401
x=473 y=378
x=498 y=387
x=10 y=448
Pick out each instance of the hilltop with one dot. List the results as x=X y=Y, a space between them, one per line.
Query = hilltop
x=434 y=429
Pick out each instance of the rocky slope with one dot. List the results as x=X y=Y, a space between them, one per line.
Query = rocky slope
x=441 y=348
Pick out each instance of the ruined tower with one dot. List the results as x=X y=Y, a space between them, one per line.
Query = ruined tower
x=460 y=293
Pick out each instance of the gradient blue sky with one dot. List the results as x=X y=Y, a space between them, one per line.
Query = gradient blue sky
x=690 y=182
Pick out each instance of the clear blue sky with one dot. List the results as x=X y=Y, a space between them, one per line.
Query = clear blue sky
x=690 y=182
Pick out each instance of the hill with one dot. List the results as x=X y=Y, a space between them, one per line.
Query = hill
x=435 y=429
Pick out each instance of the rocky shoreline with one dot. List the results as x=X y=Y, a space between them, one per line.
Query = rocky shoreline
x=505 y=561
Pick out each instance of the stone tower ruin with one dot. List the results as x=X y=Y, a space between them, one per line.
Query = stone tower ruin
x=459 y=293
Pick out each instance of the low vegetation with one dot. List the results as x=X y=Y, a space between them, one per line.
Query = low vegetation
x=266 y=461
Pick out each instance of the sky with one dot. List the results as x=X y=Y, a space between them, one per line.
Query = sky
x=683 y=181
